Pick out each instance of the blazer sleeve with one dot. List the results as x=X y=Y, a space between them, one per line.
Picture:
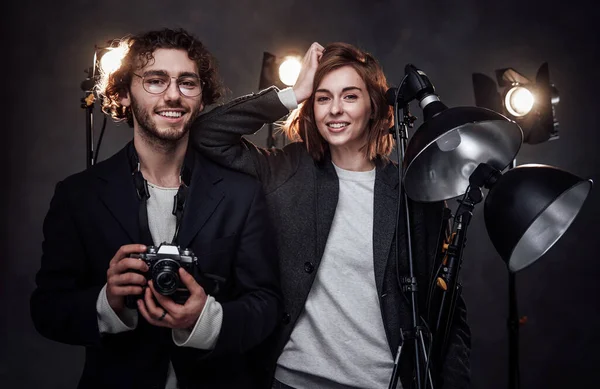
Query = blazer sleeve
x=63 y=305
x=219 y=133
x=252 y=316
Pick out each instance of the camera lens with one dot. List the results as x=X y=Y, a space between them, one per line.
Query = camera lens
x=165 y=276
x=166 y=281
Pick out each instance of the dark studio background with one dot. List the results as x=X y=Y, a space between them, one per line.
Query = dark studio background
x=48 y=45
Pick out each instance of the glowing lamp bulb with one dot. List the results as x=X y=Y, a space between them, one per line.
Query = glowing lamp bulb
x=111 y=60
x=519 y=101
x=289 y=70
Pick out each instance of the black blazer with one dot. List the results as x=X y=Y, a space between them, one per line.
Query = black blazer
x=302 y=197
x=225 y=223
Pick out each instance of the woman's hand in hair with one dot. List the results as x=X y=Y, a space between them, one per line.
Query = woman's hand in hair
x=303 y=87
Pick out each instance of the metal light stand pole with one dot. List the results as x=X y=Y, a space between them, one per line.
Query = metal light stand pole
x=270 y=137
x=409 y=284
x=87 y=103
x=513 y=327
x=513 y=334
x=448 y=280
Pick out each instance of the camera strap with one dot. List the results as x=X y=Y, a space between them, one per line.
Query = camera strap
x=143 y=194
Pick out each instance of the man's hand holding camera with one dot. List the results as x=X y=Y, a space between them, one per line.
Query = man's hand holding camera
x=168 y=313
x=122 y=278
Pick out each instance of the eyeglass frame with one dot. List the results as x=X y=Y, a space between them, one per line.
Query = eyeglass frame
x=164 y=74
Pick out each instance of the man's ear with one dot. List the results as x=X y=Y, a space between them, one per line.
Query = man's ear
x=125 y=100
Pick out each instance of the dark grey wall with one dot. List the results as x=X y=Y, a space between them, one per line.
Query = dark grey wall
x=48 y=45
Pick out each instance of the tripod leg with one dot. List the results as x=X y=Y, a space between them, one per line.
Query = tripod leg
x=394 y=378
x=428 y=378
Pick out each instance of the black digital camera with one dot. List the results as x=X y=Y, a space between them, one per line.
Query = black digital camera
x=163 y=269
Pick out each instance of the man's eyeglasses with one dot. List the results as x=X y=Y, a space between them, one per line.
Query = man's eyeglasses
x=189 y=86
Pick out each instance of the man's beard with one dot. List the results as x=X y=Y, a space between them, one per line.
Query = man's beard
x=168 y=137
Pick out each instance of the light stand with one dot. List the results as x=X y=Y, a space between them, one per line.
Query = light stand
x=400 y=99
x=539 y=203
x=87 y=102
x=436 y=165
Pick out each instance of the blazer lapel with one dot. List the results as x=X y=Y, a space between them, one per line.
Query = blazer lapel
x=202 y=199
x=326 y=202
x=118 y=194
x=387 y=259
x=384 y=219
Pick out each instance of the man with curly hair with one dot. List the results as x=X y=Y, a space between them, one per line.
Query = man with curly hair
x=93 y=291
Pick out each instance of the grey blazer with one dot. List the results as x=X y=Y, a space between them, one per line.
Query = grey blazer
x=302 y=196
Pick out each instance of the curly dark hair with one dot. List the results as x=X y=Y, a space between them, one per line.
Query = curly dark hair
x=301 y=126
x=139 y=51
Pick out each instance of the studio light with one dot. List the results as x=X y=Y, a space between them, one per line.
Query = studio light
x=530 y=104
x=279 y=71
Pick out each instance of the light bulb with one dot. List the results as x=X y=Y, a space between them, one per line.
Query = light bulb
x=519 y=101
x=289 y=70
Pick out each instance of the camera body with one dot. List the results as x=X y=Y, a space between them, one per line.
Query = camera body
x=163 y=269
